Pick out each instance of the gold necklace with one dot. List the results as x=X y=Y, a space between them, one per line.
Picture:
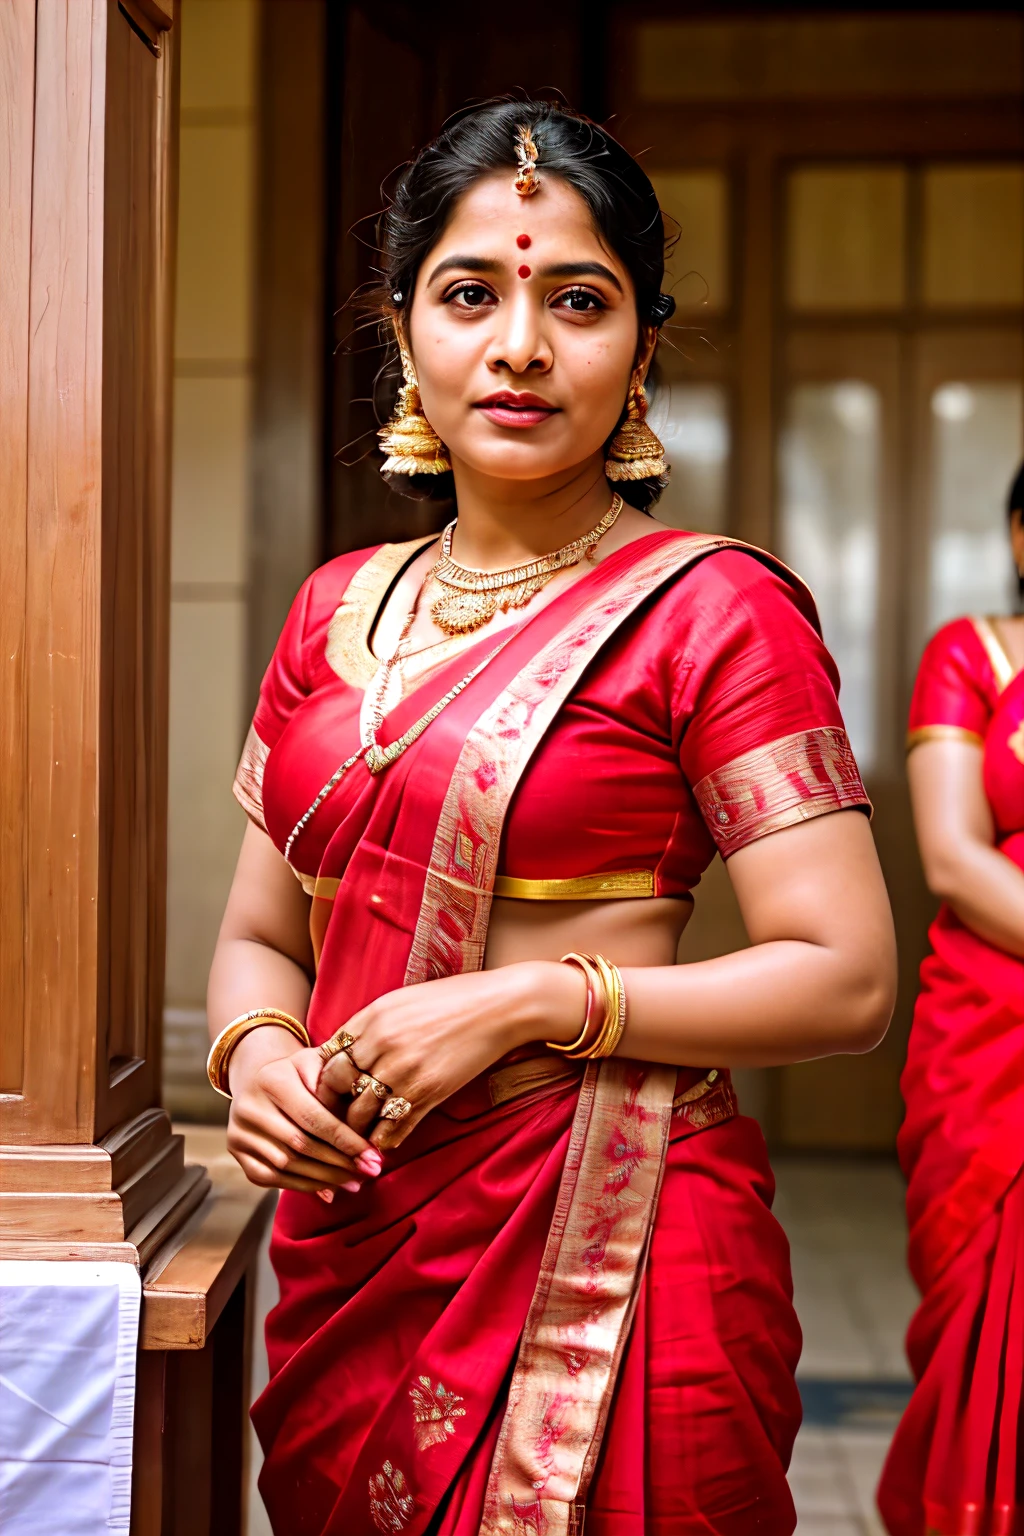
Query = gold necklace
x=470 y=598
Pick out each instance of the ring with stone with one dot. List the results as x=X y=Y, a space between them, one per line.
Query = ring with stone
x=367 y=1080
x=340 y=1041
x=396 y=1108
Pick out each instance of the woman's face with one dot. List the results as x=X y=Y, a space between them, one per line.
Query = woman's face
x=523 y=330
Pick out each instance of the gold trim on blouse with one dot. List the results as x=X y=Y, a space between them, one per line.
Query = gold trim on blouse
x=998 y=656
x=248 y=783
x=348 y=634
x=790 y=780
x=618 y=885
x=942 y=733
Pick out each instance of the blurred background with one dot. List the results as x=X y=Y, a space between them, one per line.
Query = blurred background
x=842 y=383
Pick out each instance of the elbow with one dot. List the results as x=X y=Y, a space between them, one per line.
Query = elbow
x=868 y=1014
x=944 y=875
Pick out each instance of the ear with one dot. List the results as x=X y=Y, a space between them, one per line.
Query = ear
x=645 y=351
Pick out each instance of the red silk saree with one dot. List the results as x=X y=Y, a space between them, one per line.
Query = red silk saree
x=566 y=1293
x=955 y=1467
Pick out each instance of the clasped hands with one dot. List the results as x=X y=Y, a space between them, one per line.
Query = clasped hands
x=294 y=1123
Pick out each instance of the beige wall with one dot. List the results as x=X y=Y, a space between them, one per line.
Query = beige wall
x=210 y=508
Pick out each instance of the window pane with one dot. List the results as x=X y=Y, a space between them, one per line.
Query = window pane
x=692 y=421
x=845 y=238
x=829 y=513
x=974 y=235
x=976 y=447
x=697 y=270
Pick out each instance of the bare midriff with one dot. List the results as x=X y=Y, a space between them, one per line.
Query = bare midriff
x=645 y=932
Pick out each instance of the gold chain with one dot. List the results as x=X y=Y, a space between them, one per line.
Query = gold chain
x=470 y=598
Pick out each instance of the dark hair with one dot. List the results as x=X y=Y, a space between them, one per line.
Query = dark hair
x=481 y=140
x=1015 y=503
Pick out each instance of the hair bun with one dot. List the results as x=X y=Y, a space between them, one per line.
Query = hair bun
x=662 y=308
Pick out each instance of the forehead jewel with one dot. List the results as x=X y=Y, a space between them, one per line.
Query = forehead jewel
x=527 y=181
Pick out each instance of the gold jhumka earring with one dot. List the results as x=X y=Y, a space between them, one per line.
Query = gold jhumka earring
x=410 y=444
x=635 y=452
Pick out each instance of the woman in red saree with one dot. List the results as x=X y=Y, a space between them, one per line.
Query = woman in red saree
x=549 y=1287
x=956 y=1465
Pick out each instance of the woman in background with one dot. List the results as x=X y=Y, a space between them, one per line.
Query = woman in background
x=955 y=1466
x=527 y=1260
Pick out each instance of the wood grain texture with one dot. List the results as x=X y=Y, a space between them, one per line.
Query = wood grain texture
x=17 y=71
x=182 y=1304
x=88 y=176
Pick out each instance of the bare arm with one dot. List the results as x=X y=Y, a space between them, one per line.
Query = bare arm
x=819 y=979
x=956 y=837
x=278 y=1130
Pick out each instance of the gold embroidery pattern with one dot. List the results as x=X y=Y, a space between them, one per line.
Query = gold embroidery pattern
x=248 y=785
x=617 y=885
x=708 y=1102
x=1015 y=742
x=924 y=733
x=778 y=785
x=347 y=650
x=391 y=1503
x=585 y=1297
x=434 y=1411
x=995 y=650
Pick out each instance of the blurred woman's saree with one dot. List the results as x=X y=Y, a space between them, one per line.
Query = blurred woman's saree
x=956 y=1464
x=498 y=1333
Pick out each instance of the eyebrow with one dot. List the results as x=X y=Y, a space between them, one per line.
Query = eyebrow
x=490 y=268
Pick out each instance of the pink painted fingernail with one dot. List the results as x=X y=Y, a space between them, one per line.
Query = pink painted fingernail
x=370 y=1162
x=353 y=1187
x=326 y=1195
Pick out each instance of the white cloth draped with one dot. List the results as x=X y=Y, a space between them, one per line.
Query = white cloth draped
x=68 y=1337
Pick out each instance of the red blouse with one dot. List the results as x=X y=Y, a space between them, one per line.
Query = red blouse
x=710 y=719
x=966 y=690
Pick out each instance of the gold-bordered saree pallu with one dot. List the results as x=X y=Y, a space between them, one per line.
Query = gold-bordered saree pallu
x=429 y=911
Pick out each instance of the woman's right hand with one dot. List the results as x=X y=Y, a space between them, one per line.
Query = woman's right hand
x=279 y=1132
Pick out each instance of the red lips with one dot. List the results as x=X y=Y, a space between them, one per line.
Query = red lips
x=510 y=408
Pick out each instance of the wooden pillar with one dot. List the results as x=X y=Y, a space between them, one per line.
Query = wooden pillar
x=87 y=189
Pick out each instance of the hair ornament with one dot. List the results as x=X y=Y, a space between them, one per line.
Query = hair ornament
x=662 y=308
x=527 y=181
x=397 y=297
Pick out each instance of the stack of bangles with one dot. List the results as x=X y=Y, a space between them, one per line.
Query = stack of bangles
x=393 y=1106
x=606 y=1010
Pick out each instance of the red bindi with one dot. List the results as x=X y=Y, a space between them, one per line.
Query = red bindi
x=524 y=271
x=523 y=242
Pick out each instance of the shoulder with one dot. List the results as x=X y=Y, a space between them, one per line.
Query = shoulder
x=736 y=589
x=956 y=647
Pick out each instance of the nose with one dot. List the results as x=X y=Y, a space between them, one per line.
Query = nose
x=520 y=342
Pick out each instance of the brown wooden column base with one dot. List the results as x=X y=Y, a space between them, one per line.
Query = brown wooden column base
x=123 y=1198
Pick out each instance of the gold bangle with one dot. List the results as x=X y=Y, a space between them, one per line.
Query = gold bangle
x=224 y=1045
x=615 y=1017
x=590 y=976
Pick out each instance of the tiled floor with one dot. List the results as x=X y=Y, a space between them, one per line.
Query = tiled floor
x=854 y=1298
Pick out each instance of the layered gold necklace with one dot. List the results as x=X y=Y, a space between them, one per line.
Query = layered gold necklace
x=471 y=598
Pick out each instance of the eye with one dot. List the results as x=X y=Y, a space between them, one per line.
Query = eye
x=581 y=301
x=468 y=295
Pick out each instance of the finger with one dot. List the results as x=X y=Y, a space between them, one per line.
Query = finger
x=389 y=1134
x=273 y=1126
x=284 y=1161
x=363 y=1112
x=292 y=1096
x=330 y=1081
x=262 y=1174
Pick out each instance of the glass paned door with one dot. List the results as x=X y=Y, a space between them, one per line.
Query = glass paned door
x=829 y=512
x=975 y=451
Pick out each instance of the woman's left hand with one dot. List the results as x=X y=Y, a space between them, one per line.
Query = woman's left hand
x=427 y=1041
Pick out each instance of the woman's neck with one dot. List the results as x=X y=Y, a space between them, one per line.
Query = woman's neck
x=506 y=522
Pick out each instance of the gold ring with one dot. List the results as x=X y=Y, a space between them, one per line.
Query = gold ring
x=340 y=1041
x=377 y=1088
x=396 y=1108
